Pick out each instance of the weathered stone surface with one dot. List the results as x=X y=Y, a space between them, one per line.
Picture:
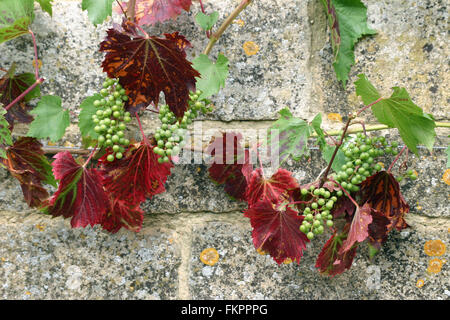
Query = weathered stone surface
x=241 y=273
x=409 y=51
x=43 y=258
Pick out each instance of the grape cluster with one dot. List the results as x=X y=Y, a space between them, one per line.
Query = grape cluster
x=170 y=136
x=360 y=153
x=318 y=212
x=110 y=119
x=409 y=174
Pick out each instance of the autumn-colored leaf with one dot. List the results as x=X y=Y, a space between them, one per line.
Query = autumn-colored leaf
x=359 y=230
x=147 y=66
x=378 y=230
x=27 y=163
x=80 y=194
x=12 y=86
x=260 y=188
x=136 y=176
x=382 y=193
x=276 y=231
x=343 y=206
x=122 y=214
x=331 y=260
x=153 y=11
x=230 y=164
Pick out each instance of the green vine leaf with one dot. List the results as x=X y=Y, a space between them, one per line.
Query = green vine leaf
x=327 y=150
x=398 y=111
x=348 y=23
x=15 y=17
x=291 y=139
x=46 y=5
x=98 y=10
x=85 y=122
x=213 y=75
x=51 y=119
x=207 y=21
x=5 y=134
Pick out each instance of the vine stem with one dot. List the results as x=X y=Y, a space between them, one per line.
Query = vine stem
x=142 y=130
x=23 y=94
x=338 y=145
x=368 y=106
x=90 y=157
x=346 y=193
x=395 y=160
x=131 y=9
x=216 y=35
x=36 y=61
x=121 y=8
x=208 y=32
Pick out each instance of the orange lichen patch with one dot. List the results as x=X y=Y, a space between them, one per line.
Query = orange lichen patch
x=434 y=248
x=420 y=283
x=199 y=169
x=40 y=227
x=2 y=259
x=334 y=117
x=446 y=177
x=170 y=240
x=261 y=252
x=68 y=144
x=250 y=48
x=39 y=63
x=51 y=143
x=381 y=164
x=287 y=261
x=435 y=265
x=239 y=22
x=209 y=256
x=27 y=293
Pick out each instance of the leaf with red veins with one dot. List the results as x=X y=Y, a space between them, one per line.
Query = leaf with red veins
x=276 y=231
x=231 y=164
x=80 y=193
x=147 y=66
x=27 y=163
x=122 y=214
x=343 y=206
x=378 y=230
x=331 y=260
x=153 y=11
x=260 y=188
x=12 y=86
x=382 y=193
x=359 y=228
x=136 y=176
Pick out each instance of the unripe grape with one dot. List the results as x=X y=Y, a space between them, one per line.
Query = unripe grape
x=110 y=158
x=310 y=235
x=119 y=155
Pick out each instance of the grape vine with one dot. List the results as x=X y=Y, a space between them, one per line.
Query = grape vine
x=120 y=173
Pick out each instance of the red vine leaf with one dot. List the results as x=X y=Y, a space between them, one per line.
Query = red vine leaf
x=343 y=206
x=231 y=164
x=136 y=176
x=260 y=188
x=146 y=66
x=359 y=227
x=27 y=163
x=276 y=231
x=80 y=194
x=12 y=86
x=378 y=229
x=382 y=193
x=122 y=214
x=153 y=11
x=331 y=260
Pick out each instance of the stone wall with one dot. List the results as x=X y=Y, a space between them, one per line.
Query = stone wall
x=43 y=258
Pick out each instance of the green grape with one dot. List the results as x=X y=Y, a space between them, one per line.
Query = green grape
x=329 y=223
x=110 y=158
x=310 y=235
x=119 y=155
